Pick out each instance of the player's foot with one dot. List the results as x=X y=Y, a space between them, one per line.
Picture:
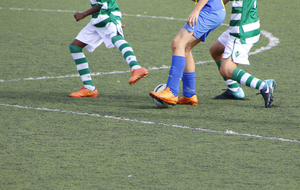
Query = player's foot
x=166 y=95
x=83 y=92
x=188 y=101
x=228 y=94
x=267 y=92
x=137 y=74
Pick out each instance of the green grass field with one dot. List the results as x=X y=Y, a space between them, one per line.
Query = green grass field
x=121 y=140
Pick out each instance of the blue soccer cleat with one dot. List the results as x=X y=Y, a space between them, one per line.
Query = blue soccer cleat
x=267 y=92
x=228 y=94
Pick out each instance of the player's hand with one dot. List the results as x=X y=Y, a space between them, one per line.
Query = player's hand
x=192 y=19
x=123 y=25
x=79 y=16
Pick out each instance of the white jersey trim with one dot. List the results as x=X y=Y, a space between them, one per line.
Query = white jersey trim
x=117 y=13
x=236 y=16
x=252 y=40
x=251 y=26
x=234 y=29
x=237 y=4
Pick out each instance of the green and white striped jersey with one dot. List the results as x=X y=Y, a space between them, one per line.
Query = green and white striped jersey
x=244 y=22
x=109 y=12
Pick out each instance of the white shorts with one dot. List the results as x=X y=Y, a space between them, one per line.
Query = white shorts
x=235 y=49
x=95 y=36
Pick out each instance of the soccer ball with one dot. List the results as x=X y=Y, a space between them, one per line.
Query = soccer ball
x=161 y=104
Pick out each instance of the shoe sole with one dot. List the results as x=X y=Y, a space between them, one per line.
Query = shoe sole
x=227 y=98
x=159 y=99
x=188 y=103
x=92 y=95
x=84 y=96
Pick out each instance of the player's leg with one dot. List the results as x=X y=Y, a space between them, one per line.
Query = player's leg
x=229 y=70
x=233 y=90
x=188 y=77
x=179 y=43
x=89 y=89
x=118 y=40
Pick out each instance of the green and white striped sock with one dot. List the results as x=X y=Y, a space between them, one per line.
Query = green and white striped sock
x=246 y=79
x=82 y=67
x=231 y=84
x=126 y=51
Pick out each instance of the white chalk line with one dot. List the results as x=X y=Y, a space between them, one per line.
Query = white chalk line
x=150 y=122
x=273 y=41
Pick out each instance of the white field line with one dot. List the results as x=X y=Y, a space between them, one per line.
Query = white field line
x=150 y=122
x=273 y=41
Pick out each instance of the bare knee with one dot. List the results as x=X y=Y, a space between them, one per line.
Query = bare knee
x=227 y=70
x=78 y=43
x=225 y=73
x=175 y=44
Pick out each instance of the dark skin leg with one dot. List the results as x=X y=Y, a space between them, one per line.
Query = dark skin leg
x=78 y=43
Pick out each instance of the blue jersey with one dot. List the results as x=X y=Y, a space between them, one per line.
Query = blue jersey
x=213 y=5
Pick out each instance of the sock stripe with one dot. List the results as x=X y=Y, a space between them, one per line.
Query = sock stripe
x=75 y=49
x=127 y=49
x=86 y=77
x=78 y=55
x=230 y=82
x=244 y=78
x=80 y=61
x=82 y=66
x=84 y=72
x=260 y=85
x=117 y=38
x=124 y=46
x=119 y=43
x=254 y=82
x=128 y=53
x=249 y=80
x=88 y=84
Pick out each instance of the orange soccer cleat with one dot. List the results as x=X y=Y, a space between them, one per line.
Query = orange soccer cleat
x=137 y=74
x=166 y=95
x=188 y=101
x=83 y=92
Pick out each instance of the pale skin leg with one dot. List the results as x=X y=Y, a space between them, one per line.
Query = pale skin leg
x=216 y=51
x=227 y=66
x=182 y=45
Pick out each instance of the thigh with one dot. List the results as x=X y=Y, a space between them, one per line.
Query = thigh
x=184 y=36
x=181 y=41
x=78 y=43
x=216 y=50
x=90 y=37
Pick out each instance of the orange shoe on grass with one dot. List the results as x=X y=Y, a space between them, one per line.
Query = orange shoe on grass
x=83 y=92
x=137 y=74
x=166 y=95
x=188 y=101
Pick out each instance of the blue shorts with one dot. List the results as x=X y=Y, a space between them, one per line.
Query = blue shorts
x=207 y=22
